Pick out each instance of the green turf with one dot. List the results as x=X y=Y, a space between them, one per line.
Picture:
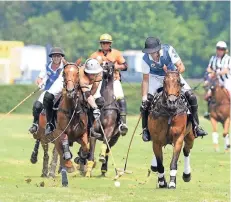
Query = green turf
x=210 y=172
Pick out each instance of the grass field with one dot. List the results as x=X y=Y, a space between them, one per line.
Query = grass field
x=210 y=172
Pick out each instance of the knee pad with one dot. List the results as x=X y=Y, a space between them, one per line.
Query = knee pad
x=48 y=99
x=191 y=97
x=123 y=106
x=37 y=107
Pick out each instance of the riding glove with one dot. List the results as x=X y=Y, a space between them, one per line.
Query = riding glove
x=96 y=113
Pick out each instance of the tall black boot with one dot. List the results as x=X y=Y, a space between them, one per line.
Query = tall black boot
x=145 y=134
x=48 y=103
x=198 y=131
x=123 y=112
x=37 y=109
x=207 y=114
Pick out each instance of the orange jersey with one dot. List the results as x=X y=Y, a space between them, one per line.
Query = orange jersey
x=114 y=56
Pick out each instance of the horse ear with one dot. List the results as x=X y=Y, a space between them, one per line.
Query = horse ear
x=64 y=61
x=78 y=61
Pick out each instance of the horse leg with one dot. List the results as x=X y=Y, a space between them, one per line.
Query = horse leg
x=215 y=135
x=154 y=164
x=226 y=126
x=173 y=166
x=84 y=154
x=53 y=163
x=34 y=155
x=108 y=132
x=45 y=160
x=62 y=168
x=160 y=168
x=66 y=153
x=189 y=140
x=111 y=143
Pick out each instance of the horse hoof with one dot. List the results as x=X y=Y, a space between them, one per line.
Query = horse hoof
x=51 y=175
x=186 y=177
x=44 y=175
x=172 y=185
x=103 y=174
x=33 y=160
x=102 y=159
x=154 y=169
x=164 y=185
x=64 y=178
x=88 y=174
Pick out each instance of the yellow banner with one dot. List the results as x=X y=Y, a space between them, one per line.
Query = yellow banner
x=6 y=46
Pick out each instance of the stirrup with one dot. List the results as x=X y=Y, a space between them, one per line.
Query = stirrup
x=50 y=125
x=123 y=132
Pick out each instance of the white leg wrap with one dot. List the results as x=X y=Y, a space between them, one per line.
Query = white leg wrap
x=187 y=168
x=154 y=162
x=173 y=173
x=226 y=139
x=215 y=136
x=160 y=175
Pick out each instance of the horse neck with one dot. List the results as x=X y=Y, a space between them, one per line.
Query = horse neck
x=108 y=90
x=220 y=95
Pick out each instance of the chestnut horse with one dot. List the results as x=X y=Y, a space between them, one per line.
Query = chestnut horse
x=219 y=108
x=71 y=119
x=168 y=123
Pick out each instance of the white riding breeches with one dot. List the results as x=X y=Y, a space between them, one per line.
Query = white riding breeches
x=118 y=90
x=55 y=89
x=227 y=84
x=156 y=82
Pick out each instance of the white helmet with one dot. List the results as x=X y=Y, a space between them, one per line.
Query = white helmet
x=92 y=66
x=221 y=44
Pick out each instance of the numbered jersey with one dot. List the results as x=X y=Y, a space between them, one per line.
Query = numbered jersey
x=168 y=57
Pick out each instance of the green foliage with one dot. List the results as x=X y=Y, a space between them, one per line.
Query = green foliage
x=193 y=28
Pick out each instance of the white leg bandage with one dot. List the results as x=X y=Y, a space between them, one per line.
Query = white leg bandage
x=227 y=142
x=118 y=90
x=215 y=136
x=187 y=168
x=154 y=162
x=173 y=173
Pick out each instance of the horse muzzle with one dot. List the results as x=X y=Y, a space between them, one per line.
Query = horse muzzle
x=172 y=102
x=70 y=93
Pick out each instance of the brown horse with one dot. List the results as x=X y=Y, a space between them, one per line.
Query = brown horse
x=168 y=124
x=71 y=120
x=220 y=112
x=108 y=121
x=41 y=138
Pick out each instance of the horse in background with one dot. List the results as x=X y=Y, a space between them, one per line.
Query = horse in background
x=219 y=108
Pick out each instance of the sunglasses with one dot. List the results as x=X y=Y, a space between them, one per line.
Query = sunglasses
x=105 y=42
x=56 y=56
x=223 y=49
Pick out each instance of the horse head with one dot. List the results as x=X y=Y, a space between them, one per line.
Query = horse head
x=108 y=69
x=71 y=77
x=172 y=88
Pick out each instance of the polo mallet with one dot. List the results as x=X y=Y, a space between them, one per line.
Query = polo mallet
x=123 y=171
x=116 y=171
x=19 y=104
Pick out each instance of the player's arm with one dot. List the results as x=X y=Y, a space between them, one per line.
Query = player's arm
x=121 y=64
x=145 y=81
x=176 y=60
